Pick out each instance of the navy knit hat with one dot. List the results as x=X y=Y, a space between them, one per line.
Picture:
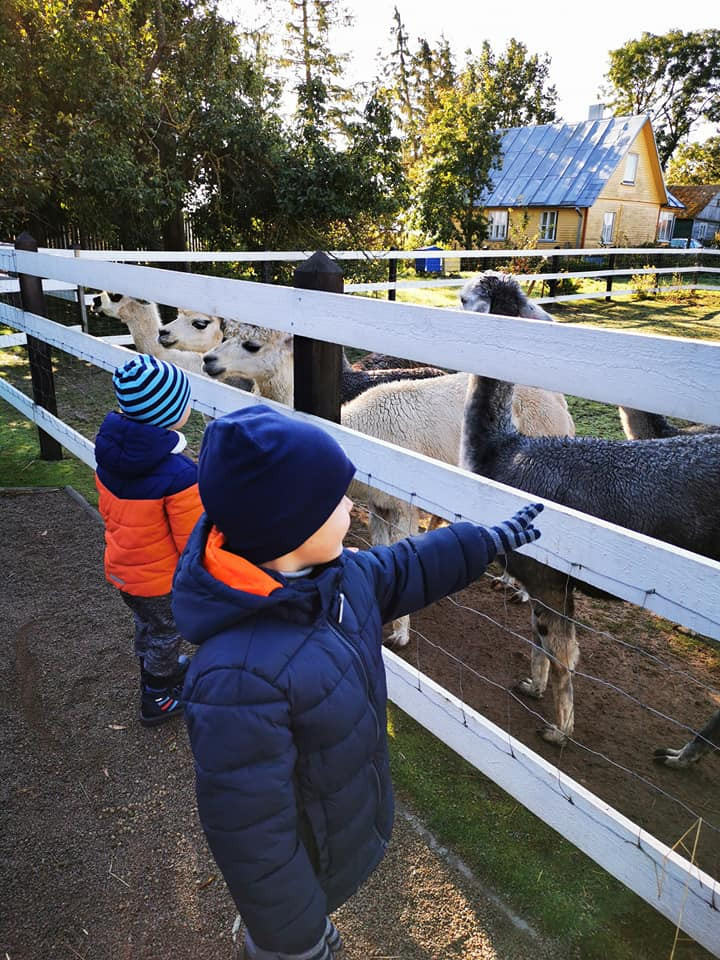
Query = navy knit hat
x=268 y=482
x=151 y=390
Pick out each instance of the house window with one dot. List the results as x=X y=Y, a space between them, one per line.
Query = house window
x=665 y=225
x=497 y=225
x=631 y=165
x=548 y=225
x=608 y=228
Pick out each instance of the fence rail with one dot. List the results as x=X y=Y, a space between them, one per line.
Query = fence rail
x=254 y=256
x=672 y=376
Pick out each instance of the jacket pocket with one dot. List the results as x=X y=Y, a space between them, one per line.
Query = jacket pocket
x=313 y=833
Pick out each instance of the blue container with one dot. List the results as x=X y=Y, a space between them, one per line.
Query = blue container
x=429 y=264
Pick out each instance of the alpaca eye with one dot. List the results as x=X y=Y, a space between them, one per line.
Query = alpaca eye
x=200 y=324
x=251 y=346
x=116 y=297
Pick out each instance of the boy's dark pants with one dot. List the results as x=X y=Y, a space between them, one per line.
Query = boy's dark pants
x=157 y=640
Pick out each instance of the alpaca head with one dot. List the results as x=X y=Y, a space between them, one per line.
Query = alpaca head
x=499 y=293
x=122 y=307
x=191 y=331
x=251 y=352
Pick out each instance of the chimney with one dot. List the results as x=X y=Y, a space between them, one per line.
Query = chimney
x=596 y=111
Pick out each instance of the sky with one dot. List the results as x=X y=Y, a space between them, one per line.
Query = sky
x=576 y=35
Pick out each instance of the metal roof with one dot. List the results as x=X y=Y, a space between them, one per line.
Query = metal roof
x=560 y=164
x=673 y=201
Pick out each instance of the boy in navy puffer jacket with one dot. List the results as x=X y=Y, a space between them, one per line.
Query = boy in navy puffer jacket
x=285 y=698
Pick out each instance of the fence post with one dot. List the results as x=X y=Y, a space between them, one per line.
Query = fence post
x=318 y=365
x=392 y=276
x=39 y=355
x=81 y=297
x=609 y=280
x=554 y=268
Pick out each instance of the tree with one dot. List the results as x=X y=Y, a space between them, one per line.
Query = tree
x=461 y=141
x=695 y=163
x=412 y=83
x=674 y=77
x=460 y=149
x=516 y=85
x=313 y=64
x=120 y=112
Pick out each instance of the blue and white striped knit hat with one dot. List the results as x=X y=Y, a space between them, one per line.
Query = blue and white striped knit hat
x=151 y=390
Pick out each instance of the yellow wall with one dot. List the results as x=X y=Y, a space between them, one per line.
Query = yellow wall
x=636 y=206
x=635 y=223
x=566 y=234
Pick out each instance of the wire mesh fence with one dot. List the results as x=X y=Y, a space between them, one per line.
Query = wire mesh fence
x=641 y=683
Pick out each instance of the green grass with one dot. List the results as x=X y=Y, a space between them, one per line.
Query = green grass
x=20 y=463
x=546 y=879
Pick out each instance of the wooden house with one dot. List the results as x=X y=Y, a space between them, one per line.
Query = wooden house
x=700 y=218
x=592 y=184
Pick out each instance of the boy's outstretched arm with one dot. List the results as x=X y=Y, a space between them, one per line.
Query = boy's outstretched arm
x=419 y=570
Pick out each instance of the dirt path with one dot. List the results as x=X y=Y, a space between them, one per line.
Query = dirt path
x=102 y=855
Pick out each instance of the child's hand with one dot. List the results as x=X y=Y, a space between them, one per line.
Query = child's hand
x=518 y=530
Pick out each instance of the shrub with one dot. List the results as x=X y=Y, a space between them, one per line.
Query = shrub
x=644 y=284
x=687 y=295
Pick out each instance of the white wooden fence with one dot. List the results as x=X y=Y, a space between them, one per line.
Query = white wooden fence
x=706 y=262
x=668 y=375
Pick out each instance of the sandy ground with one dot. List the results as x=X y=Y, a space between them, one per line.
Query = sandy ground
x=102 y=855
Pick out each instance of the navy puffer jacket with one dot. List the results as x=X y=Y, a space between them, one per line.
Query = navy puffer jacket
x=285 y=706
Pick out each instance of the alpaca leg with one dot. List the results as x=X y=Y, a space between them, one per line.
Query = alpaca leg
x=707 y=740
x=561 y=644
x=536 y=684
x=387 y=526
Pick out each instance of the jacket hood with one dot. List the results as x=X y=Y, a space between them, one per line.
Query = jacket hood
x=129 y=448
x=205 y=606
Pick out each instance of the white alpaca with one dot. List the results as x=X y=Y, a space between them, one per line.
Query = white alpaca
x=183 y=341
x=142 y=319
x=191 y=330
x=422 y=415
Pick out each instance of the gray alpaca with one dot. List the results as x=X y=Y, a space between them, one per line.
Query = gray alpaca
x=663 y=488
x=356 y=380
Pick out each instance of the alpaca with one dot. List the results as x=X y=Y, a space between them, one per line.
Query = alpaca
x=639 y=425
x=142 y=318
x=269 y=354
x=704 y=742
x=381 y=361
x=354 y=381
x=423 y=415
x=193 y=331
x=662 y=488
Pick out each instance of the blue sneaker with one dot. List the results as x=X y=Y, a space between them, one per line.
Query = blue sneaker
x=159 y=706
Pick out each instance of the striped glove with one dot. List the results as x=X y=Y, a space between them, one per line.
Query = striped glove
x=517 y=531
x=327 y=948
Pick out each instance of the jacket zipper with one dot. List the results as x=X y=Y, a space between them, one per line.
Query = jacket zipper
x=363 y=673
x=361 y=670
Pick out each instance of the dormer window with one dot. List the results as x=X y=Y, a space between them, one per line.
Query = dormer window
x=631 y=165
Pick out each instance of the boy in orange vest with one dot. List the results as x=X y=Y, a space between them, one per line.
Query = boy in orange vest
x=148 y=498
